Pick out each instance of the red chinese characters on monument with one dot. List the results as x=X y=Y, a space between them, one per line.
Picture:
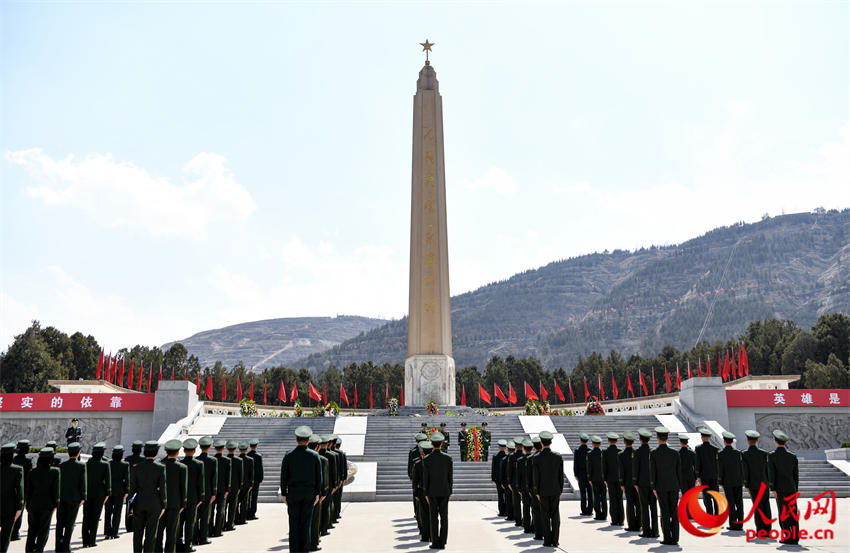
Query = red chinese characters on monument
x=76 y=402
x=788 y=398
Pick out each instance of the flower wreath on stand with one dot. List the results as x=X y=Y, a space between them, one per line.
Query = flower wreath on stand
x=534 y=407
x=432 y=409
x=299 y=411
x=332 y=409
x=393 y=407
x=594 y=407
x=474 y=444
x=247 y=408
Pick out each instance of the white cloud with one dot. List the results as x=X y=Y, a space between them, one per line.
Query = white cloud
x=494 y=180
x=120 y=194
x=236 y=287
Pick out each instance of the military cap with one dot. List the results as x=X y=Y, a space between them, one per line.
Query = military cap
x=518 y=439
x=75 y=419
x=254 y=441
x=583 y=437
x=315 y=439
x=510 y=444
x=338 y=440
x=662 y=430
x=219 y=442
x=683 y=437
x=99 y=446
x=437 y=437
x=151 y=447
x=728 y=435
x=231 y=444
x=752 y=434
x=302 y=432
x=173 y=445
x=644 y=433
x=463 y=424
x=596 y=439
x=152 y=443
x=137 y=443
x=484 y=423
x=545 y=435
x=74 y=447
x=118 y=447
x=45 y=452
x=535 y=439
x=206 y=441
x=705 y=431
x=22 y=442
x=420 y=436
x=334 y=437
x=442 y=424
x=243 y=445
x=612 y=436
x=526 y=442
x=629 y=436
x=190 y=443
x=503 y=443
x=51 y=443
x=426 y=445
x=8 y=447
x=780 y=436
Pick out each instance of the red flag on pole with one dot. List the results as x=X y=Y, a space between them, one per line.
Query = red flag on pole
x=141 y=372
x=629 y=384
x=224 y=388
x=209 y=391
x=387 y=396
x=463 y=395
x=121 y=374
x=601 y=389
x=667 y=378
x=355 y=395
x=150 y=377
x=401 y=396
x=529 y=393
x=281 y=392
x=544 y=395
x=689 y=369
x=586 y=391
x=498 y=393
x=708 y=365
x=313 y=393
x=726 y=366
x=643 y=384
x=265 y=397
x=483 y=395
x=511 y=394
x=238 y=390
x=172 y=373
x=130 y=375
x=342 y=395
x=198 y=382
x=294 y=394
x=160 y=377
x=186 y=375
x=99 y=365
x=559 y=393
x=371 y=402
x=744 y=361
x=653 y=381
x=108 y=367
x=614 y=386
x=251 y=392
x=678 y=378
x=325 y=394
x=572 y=395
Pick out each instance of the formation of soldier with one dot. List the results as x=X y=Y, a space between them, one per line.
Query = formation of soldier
x=171 y=503
x=312 y=476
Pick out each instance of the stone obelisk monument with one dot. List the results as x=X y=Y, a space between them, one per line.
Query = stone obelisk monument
x=429 y=372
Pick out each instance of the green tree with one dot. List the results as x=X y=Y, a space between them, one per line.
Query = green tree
x=832 y=374
x=29 y=363
x=832 y=333
x=802 y=349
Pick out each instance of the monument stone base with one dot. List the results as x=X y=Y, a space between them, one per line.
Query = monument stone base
x=429 y=378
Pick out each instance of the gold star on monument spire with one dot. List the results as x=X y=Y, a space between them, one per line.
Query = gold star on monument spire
x=426 y=47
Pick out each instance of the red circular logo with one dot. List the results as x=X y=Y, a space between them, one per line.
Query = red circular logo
x=690 y=505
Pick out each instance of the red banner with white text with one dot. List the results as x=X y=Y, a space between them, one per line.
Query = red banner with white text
x=787 y=398
x=76 y=402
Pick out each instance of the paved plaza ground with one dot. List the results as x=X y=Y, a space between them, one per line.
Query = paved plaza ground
x=474 y=528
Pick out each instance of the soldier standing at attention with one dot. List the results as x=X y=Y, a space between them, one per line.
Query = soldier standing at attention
x=446 y=438
x=424 y=520
x=513 y=479
x=687 y=460
x=11 y=494
x=99 y=488
x=42 y=499
x=524 y=472
x=336 y=444
x=506 y=484
x=496 y=477
x=147 y=485
x=195 y=495
x=597 y=479
x=217 y=508
x=316 y=520
x=247 y=484
x=535 y=501
x=611 y=475
x=665 y=481
x=412 y=457
x=437 y=479
x=548 y=479
x=301 y=486
x=119 y=471
x=754 y=475
x=642 y=481
x=333 y=475
x=784 y=474
x=462 y=439
x=335 y=465
x=74 y=432
x=258 y=477
x=626 y=480
x=135 y=457
x=731 y=477
x=21 y=459
x=175 y=487
x=72 y=493
x=202 y=528
x=580 y=472
x=486 y=436
x=236 y=479
x=705 y=468
x=52 y=445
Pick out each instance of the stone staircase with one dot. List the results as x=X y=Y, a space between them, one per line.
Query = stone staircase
x=818 y=475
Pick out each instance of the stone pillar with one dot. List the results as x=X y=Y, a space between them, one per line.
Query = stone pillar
x=706 y=397
x=173 y=401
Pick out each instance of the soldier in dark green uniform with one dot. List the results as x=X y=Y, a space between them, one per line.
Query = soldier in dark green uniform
x=446 y=438
x=462 y=438
x=496 y=477
x=664 y=464
x=72 y=493
x=437 y=479
x=705 y=468
x=533 y=499
x=784 y=474
x=247 y=484
x=625 y=459
x=134 y=457
x=413 y=455
x=316 y=521
x=424 y=519
x=195 y=495
x=42 y=499
x=643 y=483
x=580 y=473
x=147 y=486
x=202 y=528
x=336 y=444
x=237 y=475
x=301 y=486
x=21 y=459
x=486 y=436
x=510 y=449
x=522 y=467
x=754 y=475
x=687 y=461
x=258 y=477
x=176 y=476
x=611 y=475
x=11 y=494
x=99 y=488
x=74 y=432
x=218 y=508
x=119 y=471
x=597 y=479
x=326 y=506
x=548 y=479
x=513 y=479
x=731 y=476
x=56 y=460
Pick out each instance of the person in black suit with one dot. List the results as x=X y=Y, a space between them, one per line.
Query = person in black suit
x=437 y=479
x=784 y=473
x=580 y=472
x=643 y=482
x=42 y=499
x=496 y=477
x=597 y=479
x=11 y=494
x=462 y=438
x=755 y=475
x=632 y=501
x=147 y=486
x=99 y=488
x=119 y=469
x=548 y=483
x=706 y=469
x=731 y=477
x=258 y=477
x=664 y=464
x=72 y=493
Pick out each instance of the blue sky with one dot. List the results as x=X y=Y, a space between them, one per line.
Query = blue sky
x=172 y=167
